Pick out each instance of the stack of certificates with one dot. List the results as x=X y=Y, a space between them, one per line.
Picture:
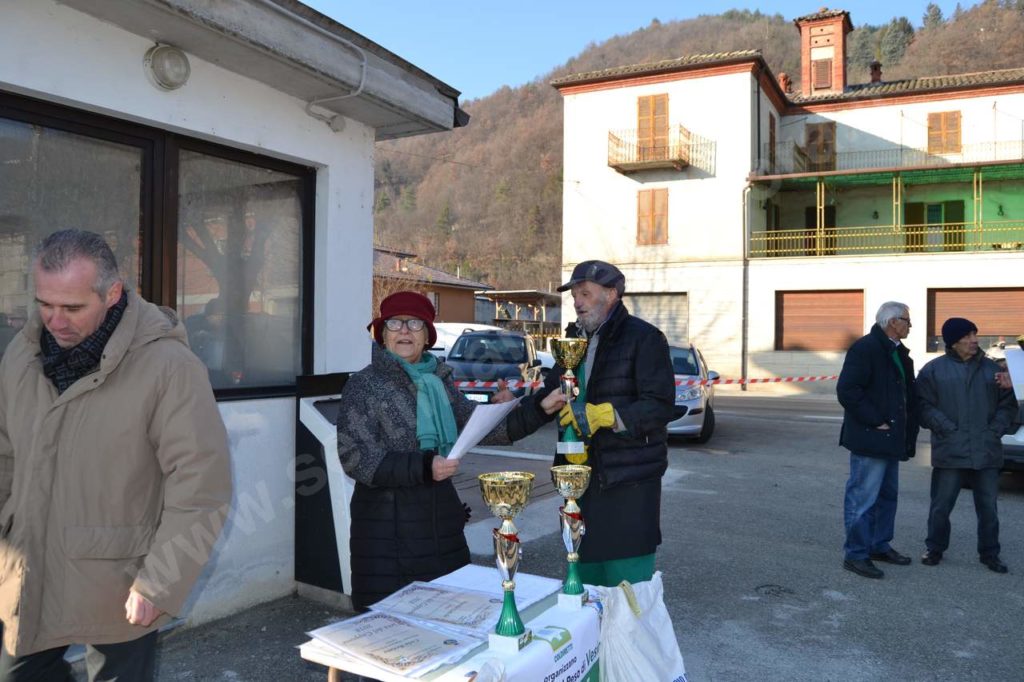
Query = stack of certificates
x=424 y=626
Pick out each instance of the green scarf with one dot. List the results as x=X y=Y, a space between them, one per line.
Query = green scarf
x=435 y=421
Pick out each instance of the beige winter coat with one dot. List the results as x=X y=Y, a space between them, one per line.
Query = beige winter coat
x=122 y=482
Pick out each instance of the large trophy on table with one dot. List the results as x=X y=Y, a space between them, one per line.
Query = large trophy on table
x=569 y=353
x=571 y=481
x=506 y=493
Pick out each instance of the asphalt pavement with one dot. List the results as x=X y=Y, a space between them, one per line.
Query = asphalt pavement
x=752 y=554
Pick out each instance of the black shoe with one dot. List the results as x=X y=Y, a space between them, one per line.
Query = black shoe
x=994 y=564
x=891 y=556
x=931 y=558
x=863 y=567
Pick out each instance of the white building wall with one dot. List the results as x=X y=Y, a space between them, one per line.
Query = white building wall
x=995 y=118
x=53 y=53
x=705 y=240
x=881 y=278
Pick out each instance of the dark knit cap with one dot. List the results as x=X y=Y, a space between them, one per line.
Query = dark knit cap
x=405 y=303
x=956 y=328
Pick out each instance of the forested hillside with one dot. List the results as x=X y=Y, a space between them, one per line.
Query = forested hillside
x=486 y=200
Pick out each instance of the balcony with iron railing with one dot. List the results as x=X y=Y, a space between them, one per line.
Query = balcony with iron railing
x=679 y=149
x=791 y=158
x=999 y=235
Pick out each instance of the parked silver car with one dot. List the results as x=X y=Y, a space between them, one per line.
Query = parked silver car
x=694 y=413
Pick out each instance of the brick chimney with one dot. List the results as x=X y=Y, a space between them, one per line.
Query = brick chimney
x=823 y=51
x=786 y=83
x=876 y=71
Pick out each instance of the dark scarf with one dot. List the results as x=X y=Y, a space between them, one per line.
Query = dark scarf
x=65 y=366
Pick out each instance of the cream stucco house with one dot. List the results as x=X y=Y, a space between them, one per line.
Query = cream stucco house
x=767 y=226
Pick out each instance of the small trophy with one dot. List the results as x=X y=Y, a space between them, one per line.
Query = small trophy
x=571 y=481
x=569 y=353
x=506 y=493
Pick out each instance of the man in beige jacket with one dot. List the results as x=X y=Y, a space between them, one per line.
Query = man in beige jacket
x=114 y=471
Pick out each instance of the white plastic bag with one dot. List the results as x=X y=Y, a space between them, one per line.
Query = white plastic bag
x=637 y=638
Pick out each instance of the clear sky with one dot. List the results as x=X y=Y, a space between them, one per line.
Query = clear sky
x=480 y=45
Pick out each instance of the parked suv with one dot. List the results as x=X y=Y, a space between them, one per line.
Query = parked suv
x=694 y=412
x=490 y=355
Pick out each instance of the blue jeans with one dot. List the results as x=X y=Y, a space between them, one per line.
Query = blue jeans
x=869 y=509
x=946 y=484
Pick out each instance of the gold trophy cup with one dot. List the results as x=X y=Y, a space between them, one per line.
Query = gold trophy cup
x=571 y=481
x=569 y=353
x=506 y=493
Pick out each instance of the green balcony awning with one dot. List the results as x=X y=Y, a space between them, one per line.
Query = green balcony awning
x=921 y=176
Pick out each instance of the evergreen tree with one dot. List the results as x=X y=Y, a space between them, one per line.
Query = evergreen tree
x=863 y=48
x=897 y=38
x=383 y=201
x=932 y=17
x=444 y=221
x=407 y=199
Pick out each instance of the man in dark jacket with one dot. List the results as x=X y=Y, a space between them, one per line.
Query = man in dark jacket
x=876 y=390
x=967 y=413
x=626 y=400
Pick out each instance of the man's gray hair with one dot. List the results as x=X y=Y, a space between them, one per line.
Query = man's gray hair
x=891 y=310
x=56 y=251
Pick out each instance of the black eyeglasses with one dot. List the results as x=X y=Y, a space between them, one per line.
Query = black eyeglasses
x=905 y=319
x=413 y=325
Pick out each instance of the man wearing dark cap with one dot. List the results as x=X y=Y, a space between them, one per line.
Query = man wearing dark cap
x=626 y=399
x=876 y=390
x=967 y=412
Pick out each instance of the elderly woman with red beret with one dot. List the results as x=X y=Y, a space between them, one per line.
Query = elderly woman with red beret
x=398 y=420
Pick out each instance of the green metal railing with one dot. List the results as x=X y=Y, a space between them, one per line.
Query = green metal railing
x=1003 y=235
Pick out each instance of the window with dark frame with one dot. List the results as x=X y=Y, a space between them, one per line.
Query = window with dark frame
x=944 y=132
x=652 y=217
x=771 y=143
x=222 y=235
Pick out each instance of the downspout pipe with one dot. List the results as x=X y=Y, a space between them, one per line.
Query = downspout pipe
x=335 y=122
x=745 y=312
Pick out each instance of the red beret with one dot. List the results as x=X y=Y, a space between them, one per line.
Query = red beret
x=405 y=303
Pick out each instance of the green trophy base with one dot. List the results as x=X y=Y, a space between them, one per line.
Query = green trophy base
x=509 y=635
x=573 y=595
x=573 y=584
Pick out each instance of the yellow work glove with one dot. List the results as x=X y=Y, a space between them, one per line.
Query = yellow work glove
x=589 y=419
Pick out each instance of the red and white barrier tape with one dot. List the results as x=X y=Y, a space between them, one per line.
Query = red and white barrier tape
x=513 y=383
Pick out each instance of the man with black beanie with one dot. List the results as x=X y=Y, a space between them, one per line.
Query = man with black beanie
x=967 y=411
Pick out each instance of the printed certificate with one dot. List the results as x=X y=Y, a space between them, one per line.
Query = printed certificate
x=444 y=605
x=395 y=644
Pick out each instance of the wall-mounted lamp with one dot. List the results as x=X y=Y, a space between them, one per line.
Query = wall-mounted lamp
x=999 y=211
x=167 y=66
x=874 y=215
